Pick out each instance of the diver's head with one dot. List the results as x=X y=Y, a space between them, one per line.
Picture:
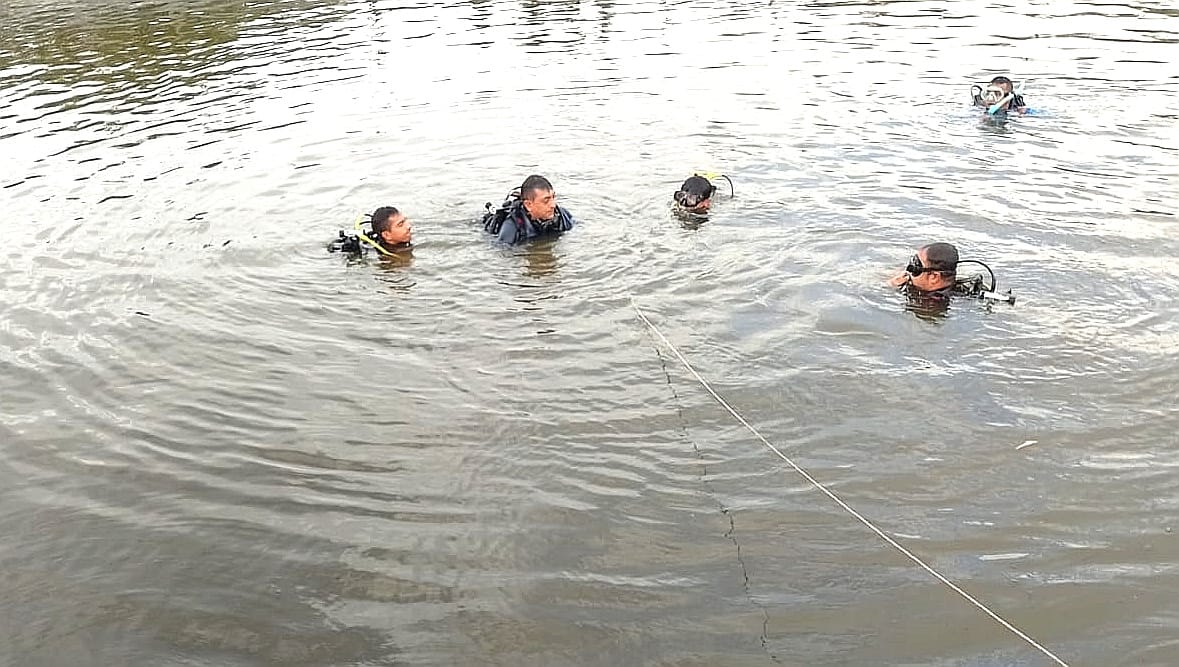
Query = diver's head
x=933 y=267
x=999 y=88
x=538 y=198
x=695 y=195
x=1004 y=83
x=390 y=226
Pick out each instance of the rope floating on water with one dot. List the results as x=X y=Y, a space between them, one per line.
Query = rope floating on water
x=839 y=501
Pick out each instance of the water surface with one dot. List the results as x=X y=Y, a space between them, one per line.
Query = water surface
x=221 y=445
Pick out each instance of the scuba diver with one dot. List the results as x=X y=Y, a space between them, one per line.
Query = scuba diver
x=932 y=274
x=528 y=212
x=390 y=234
x=999 y=95
x=694 y=198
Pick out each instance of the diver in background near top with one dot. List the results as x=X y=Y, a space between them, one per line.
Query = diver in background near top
x=693 y=200
x=1000 y=91
x=695 y=195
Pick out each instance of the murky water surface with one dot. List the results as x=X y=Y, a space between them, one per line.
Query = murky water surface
x=220 y=444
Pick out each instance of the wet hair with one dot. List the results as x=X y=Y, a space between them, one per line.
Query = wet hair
x=942 y=258
x=1002 y=80
x=380 y=218
x=694 y=191
x=534 y=184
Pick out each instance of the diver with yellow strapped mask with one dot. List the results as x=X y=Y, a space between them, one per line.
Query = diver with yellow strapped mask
x=693 y=200
x=390 y=234
x=999 y=96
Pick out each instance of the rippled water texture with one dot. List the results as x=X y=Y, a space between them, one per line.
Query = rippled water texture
x=221 y=445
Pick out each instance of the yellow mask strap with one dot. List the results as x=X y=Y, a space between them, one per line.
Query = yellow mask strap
x=364 y=237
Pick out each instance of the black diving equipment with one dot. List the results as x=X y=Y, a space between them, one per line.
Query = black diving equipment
x=356 y=244
x=345 y=243
x=493 y=219
x=973 y=287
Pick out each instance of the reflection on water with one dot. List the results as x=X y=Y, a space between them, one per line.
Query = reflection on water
x=997 y=124
x=687 y=219
x=221 y=444
x=540 y=258
x=394 y=271
x=930 y=308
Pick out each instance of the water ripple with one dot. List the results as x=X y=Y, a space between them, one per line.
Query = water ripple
x=217 y=441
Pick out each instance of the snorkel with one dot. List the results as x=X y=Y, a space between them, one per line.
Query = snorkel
x=1001 y=104
x=732 y=191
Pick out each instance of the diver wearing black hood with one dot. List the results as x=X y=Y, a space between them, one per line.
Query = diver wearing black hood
x=693 y=200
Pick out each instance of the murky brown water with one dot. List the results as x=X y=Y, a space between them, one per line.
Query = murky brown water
x=220 y=445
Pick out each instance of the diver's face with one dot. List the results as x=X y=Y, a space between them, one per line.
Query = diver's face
x=929 y=280
x=399 y=231
x=996 y=92
x=542 y=205
x=702 y=206
x=692 y=203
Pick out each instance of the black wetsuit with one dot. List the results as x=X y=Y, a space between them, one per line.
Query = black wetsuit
x=511 y=223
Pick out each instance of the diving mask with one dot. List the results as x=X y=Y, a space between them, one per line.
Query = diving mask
x=689 y=199
x=993 y=94
x=916 y=267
